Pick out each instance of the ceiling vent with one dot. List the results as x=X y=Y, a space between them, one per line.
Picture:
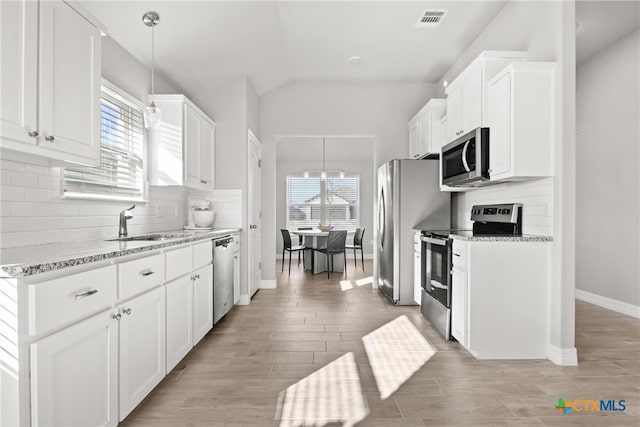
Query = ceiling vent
x=431 y=18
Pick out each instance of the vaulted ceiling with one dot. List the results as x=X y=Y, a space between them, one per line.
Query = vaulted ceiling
x=202 y=44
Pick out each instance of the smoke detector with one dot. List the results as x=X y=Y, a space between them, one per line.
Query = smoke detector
x=431 y=18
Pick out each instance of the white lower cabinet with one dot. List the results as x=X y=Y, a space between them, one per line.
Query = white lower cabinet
x=459 y=306
x=74 y=375
x=417 y=268
x=202 y=302
x=142 y=348
x=179 y=320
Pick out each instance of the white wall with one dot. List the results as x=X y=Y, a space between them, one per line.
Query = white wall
x=608 y=181
x=34 y=213
x=547 y=31
x=353 y=155
x=379 y=110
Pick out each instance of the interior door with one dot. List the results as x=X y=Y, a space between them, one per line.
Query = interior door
x=253 y=215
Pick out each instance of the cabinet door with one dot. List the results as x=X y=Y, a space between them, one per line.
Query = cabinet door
x=414 y=139
x=74 y=375
x=207 y=152
x=454 y=113
x=179 y=320
x=69 y=99
x=142 y=348
x=459 y=306
x=19 y=70
x=500 y=123
x=192 y=135
x=424 y=146
x=202 y=303
x=417 y=294
x=443 y=133
x=472 y=100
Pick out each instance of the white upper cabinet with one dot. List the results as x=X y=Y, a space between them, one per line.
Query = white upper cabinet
x=522 y=108
x=424 y=130
x=467 y=99
x=51 y=74
x=182 y=150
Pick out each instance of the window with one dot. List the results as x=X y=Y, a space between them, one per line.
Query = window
x=311 y=201
x=120 y=175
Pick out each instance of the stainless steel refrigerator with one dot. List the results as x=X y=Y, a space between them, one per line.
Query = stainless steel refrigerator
x=409 y=198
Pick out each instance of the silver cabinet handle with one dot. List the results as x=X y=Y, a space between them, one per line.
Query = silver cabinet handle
x=116 y=316
x=126 y=311
x=86 y=294
x=455 y=254
x=253 y=226
x=147 y=273
x=197 y=276
x=33 y=134
x=204 y=181
x=50 y=138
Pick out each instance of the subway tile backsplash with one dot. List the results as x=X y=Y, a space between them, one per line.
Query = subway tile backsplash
x=536 y=197
x=33 y=212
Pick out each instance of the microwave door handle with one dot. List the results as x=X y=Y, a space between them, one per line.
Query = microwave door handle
x=464 y=156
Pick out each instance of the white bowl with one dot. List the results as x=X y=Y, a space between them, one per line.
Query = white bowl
x=203 y=218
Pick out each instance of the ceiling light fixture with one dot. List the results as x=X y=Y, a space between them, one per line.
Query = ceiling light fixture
x=152 y=114
x=324 y=172
x=445 y=83
x=355 y=60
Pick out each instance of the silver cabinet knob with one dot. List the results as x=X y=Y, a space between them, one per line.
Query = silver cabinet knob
x=116 y=316
x=126 y=311
x=253 y=226
x=50 y=138
x=33 y=134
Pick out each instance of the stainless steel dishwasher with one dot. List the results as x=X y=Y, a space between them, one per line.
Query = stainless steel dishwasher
x=223 y=249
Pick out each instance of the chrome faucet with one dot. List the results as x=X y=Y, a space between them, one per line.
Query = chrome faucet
x=124 y=216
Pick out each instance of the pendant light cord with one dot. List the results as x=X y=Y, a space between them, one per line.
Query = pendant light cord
x=153 y=45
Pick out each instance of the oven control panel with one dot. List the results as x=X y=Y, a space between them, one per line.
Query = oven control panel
x=507 y=213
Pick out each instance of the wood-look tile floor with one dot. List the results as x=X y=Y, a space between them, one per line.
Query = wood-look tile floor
x=318 y=352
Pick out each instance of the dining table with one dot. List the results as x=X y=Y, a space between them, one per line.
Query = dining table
x=316 y=261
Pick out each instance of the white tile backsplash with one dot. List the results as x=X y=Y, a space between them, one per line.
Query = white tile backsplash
x=32 y=211
x=536 y=197
x=226 y=203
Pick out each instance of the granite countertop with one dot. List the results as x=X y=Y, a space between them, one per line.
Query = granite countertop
x=468 y=236
x=29 y=260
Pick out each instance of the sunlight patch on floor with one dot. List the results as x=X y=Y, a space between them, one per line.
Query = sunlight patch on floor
x=396 y=351
x=332 y=394
x=345 y=285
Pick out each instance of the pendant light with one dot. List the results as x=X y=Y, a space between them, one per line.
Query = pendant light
x=324 y=173
x=152 y=114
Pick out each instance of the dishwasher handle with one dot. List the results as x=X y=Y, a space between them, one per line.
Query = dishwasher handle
x=223 y=242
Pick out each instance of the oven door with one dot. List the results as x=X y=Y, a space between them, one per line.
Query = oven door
x=436 y=269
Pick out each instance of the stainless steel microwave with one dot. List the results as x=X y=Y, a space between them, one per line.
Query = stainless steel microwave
x=465 y=161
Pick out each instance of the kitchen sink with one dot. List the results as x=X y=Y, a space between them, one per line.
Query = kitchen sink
x=148 y=237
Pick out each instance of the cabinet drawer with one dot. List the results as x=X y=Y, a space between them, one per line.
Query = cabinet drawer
x=459 y=254
x=137 y=276
x=61 y=301
x=179 y=262
x=202 y=254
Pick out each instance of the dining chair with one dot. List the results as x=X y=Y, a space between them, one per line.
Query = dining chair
x=301 y=238
x=286 y=246
x=357 y=244
x=335 y=245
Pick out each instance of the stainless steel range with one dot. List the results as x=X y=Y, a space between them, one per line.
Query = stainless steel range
x=499 y=219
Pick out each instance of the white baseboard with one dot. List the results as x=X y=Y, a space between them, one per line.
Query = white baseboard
x=268 y=284
x=609 y=303
x=562 y=356
x=244 y=300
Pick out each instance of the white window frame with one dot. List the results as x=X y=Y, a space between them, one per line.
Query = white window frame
x=323 y=206
x=143 y=198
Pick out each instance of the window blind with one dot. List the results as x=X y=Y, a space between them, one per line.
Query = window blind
x=121 y=171
x=311 y=201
